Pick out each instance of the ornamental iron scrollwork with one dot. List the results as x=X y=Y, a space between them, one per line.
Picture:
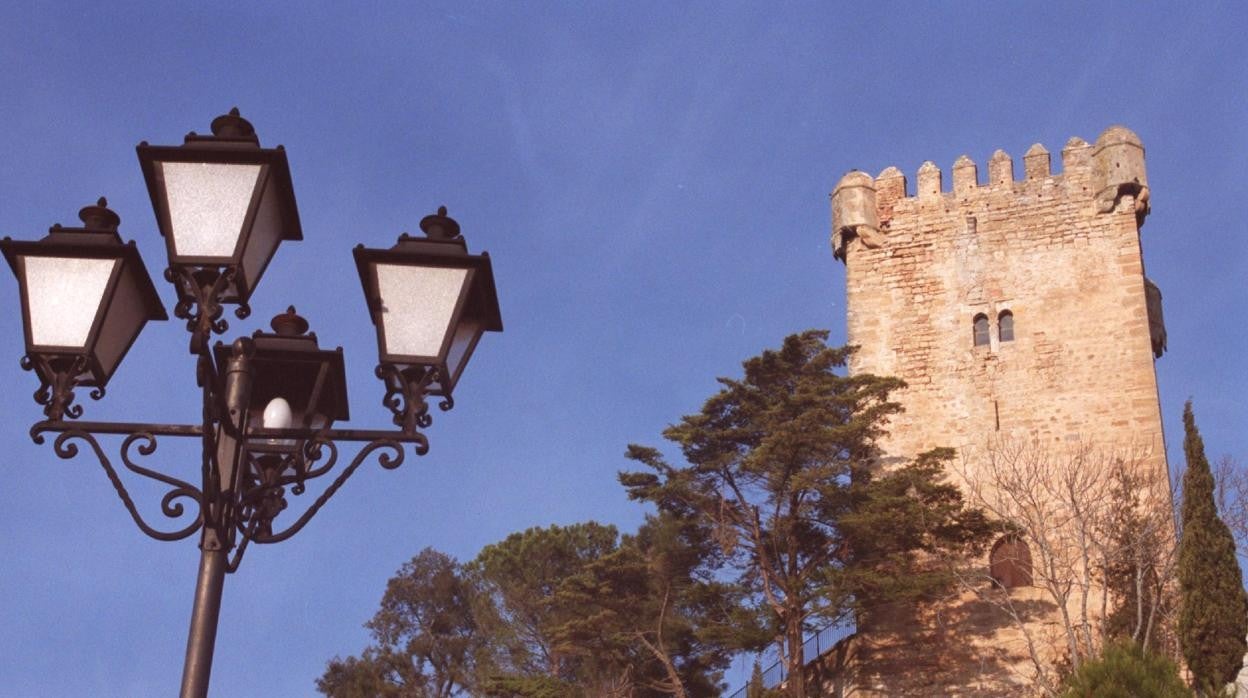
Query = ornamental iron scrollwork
x=58 y=376
x=264 y=532
x=249 y=473
x=406 y=389
x=248 y=509
x=65 y=449
x=199 y=302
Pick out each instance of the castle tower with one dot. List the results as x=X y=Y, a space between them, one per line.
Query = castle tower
x=1013 y=308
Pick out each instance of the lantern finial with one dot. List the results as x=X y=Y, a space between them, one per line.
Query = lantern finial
x=289 y=323
x=99 y=217
x=440 y=226
x=234 y=127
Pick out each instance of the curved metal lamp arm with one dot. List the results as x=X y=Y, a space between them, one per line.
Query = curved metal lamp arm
x=390 y=458
x=168 y=506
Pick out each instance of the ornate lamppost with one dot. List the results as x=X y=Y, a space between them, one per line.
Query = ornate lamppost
x=223 y=205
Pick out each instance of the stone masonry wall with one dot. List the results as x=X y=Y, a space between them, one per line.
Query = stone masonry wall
x=1061 y=252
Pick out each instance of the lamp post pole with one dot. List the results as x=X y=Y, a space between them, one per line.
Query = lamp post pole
x=214 y=543
x=269 y=400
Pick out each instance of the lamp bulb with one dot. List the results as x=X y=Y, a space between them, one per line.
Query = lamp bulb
x=277 y=414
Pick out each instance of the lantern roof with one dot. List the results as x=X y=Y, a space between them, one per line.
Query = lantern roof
x=233 y=141
x=289 y=363
x=97 y=238
x=443 y=246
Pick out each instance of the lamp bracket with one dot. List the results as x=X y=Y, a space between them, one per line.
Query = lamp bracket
x=406 y=391
x=250 y=510
x=64 y=448
x=58 y=376
x=200 y=301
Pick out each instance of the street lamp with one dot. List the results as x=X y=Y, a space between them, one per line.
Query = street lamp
x=270 y=400
x=85 y=297
x=431 y=301
x=223 y=204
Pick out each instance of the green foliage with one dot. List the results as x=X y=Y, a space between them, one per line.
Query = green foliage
x=591 y=614
x=1213 y=616
x=522 y=575
x=756 y=688
x=362 y=677
x=897 y=514
x=654 y=607
x=528 y=687
x=560 y=611
x=1139 y=534
x=781 y=470
x=425 y=633
x=1125 y=671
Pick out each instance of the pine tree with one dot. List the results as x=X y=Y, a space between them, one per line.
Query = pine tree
x=780 y=467
x=425 y=636
x=1213 y=619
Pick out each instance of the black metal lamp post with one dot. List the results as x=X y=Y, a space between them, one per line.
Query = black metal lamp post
x=269 y=400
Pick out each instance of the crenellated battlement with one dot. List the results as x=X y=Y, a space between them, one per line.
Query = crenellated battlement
x=864 y=208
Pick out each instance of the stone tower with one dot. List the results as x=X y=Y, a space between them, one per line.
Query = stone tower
x=1012 y=308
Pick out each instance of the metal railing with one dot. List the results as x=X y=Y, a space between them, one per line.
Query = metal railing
x=812 y=648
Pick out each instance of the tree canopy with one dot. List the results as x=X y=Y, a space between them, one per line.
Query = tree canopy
x=782 y=517
x=782 y=467
x=426 y=637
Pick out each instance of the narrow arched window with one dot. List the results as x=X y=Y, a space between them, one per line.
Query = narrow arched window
x=1009 y=563
x=981 y=330
x=1005 y=326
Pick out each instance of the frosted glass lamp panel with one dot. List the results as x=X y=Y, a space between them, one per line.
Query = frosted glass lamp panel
x=64 y=295
x=417 y=305
x=207 y=205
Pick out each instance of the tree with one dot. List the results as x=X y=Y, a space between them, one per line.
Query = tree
x=1213 y=616
x=522 y=576
x=1125 y=670
x=1139 y=553
x=1099 y=536
x=552 y=613
x=757 y=688
x=654 y=605
x=362 y=677
x=781 y=465
x=425 y=633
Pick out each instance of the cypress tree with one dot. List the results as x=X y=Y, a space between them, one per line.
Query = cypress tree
x=756 y=688
x=1213 y=619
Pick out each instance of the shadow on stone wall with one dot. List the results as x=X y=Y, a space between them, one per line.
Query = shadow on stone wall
x=967 y=647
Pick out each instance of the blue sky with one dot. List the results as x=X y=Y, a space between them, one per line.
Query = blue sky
x=651 y=181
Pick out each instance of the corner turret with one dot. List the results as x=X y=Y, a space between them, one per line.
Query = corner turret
x=1118 y=169
x=854 y=214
